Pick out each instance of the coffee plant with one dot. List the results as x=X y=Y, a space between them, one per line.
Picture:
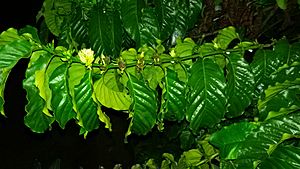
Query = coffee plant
x=134 y=57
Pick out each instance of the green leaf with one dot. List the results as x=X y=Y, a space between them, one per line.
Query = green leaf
x=174 y=97
x=149 y=29
x=8 y=36
x=86 y=108
x=261 y=142
x=3 y=77
x=196 y=7
x=265 y=62
x=75 y=29
x=192 y=157
x=286 y=72
x=181 y=18
x=165 y=12
x=185 y=48
x=153 y=75
x=225 y=37
x=104 y=31
x=186 y=140
x=236 y=164
x=102 y=116
x=282 y=4
x=12 y=52
x=240 y=86
x=206 y=99
x=280 y=99
x=108 y=93
x=54 y=13
x=281 y=95
x=131 y=12
x=230 y=138
x=144 y=106
x=208 y=50
x=38 y=119
x=32 y=31
x=287 y=53
x=61 y=100
x=284 y=157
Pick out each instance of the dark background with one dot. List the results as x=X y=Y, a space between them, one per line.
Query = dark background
x=20 y=148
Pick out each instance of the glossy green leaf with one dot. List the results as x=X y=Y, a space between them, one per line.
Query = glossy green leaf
x=104 y=31
x=265 y=62
x=181 y=18
x=54 y=13
x=12 y=49
x=284 y=157
x=206 y=99
x=230 y=138
x=225 y=37
x=109 y=94
x=38 y=118
x=12 y=52
x=174 y=103
x=240 y=85
x=32 y=31
x=144 y=106
x=61 y=100
x=165 y=12
x=149 y=28
x=280 y=99
x=86 y=108
x=8 y=36
x=287 y=53
x=3 y=77
x=286 y=72
x=75 y=29
x=131 y=12
x=261 y=142
x=196 y=8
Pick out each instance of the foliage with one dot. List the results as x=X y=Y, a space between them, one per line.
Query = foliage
x=231 y=112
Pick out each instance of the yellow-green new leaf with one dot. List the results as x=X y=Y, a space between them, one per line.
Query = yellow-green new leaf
x=9 y=35
x=12 y=52
x=38 y=118
x=109 y=94
x=225 y=37
x=3 y=77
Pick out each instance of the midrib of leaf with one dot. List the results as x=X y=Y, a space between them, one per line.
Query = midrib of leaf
x=265 y=64
x=205 y=87
x=99 y=26
x=289 y=55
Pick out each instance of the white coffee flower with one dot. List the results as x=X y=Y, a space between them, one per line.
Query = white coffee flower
x=86 y=56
